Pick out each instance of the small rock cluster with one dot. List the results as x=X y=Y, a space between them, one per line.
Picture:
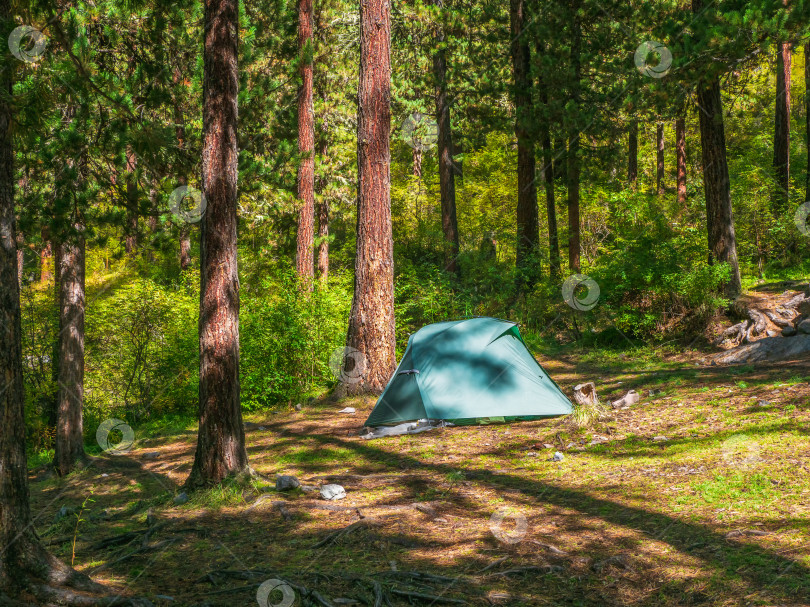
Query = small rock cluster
x=800 y=324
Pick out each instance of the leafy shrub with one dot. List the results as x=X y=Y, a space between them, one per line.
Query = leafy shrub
x=287 y=338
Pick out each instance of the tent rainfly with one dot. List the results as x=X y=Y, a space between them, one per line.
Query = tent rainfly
x=473 y=371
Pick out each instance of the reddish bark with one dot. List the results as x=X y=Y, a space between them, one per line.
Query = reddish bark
x=69 y=448
x=371 y=321
x=45 y=259
x=221 y=436
x=680 y=156
x=306 y=148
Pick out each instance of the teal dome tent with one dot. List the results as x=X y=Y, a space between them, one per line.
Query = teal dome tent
x=472 y=371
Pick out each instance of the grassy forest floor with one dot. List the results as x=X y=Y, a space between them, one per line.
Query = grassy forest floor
x=698 y=494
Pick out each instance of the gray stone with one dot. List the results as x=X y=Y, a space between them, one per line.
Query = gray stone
x=531 y=454
x=788 y=331
x=333 y=492
x=558 y=457
x=804 y=326
x=152 y=455
x=298 y=407
x=660 y=439
x=768 y=348
x=285 y=482
x=181 y=498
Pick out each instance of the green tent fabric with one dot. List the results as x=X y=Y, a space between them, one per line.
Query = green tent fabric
x=470 y=371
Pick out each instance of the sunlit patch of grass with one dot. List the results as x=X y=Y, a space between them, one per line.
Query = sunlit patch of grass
x=739 y=490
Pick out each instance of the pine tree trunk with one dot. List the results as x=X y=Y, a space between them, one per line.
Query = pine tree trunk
x=807 y=116
x=417 y=162
x=528 y=231
x=20 y=260
x=781 y=135
x=180 y=133
x=561 y=160
x=45 y=258
x=371 y=321
x=447 y=183
x=131 y=237
x=659 y=158
x=25 y=567
x=16 y=531
x=304 y=262
x=680 y=155
x=573 y=147
x=716 y=185
x=547 y=174
x=220 y=449
x=632 y=153
x=323 y=241
x=69 y=449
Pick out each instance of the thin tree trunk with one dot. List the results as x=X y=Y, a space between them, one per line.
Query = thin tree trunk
x=447 y=183
x=371 y=321
x=561 y=160
x=547 y=174
x=69 y=449
x=20 y=259
x=807 y=116
x=304 y=262
x=716 y=185
x=659 y=158
x=573 y=147
x=781 y=135
x=680 y=155
x=632 y=153
x=321 y=202
x=220 y=449
x=323 y=240
x=45 y=258
x=131 y=238
x=528 y=231
x=180 y=133
x=417 y=162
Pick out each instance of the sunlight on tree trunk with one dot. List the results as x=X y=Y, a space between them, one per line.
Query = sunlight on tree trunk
x=371 y=320
x=220 y=449
x=304 y=262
